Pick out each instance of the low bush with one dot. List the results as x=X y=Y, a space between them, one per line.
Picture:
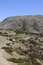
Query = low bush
x=25 y=63
x=15 y=60
x=8 y=49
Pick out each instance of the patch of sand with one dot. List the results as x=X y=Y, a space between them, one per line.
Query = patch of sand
x=3 y=61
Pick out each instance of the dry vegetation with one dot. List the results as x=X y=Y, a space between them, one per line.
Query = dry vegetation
x=21 y=40
x=22 y=48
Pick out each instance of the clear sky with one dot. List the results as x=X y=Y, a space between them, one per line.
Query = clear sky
x=20 y=7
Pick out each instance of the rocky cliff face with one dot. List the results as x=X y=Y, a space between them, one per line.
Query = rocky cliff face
x=30 y=23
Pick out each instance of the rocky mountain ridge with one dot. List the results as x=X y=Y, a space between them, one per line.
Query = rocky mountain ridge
x=29 y=23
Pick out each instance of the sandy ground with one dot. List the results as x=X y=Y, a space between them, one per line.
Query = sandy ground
x=3 y=61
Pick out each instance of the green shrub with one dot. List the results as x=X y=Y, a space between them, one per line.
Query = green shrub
x=25 y=64
x=8 y=49
x=15 y=60
x=21 y=61
x=19 y=31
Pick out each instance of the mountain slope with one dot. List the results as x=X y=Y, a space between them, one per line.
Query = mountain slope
x=30 y=23
x=20 y=41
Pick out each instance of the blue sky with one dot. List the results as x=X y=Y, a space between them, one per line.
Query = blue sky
x=20 y=7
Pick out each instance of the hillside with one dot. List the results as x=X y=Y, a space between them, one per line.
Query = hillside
x=30 y=23
x=21 y=40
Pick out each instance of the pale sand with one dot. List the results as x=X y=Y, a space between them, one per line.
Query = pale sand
x=3 y=61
